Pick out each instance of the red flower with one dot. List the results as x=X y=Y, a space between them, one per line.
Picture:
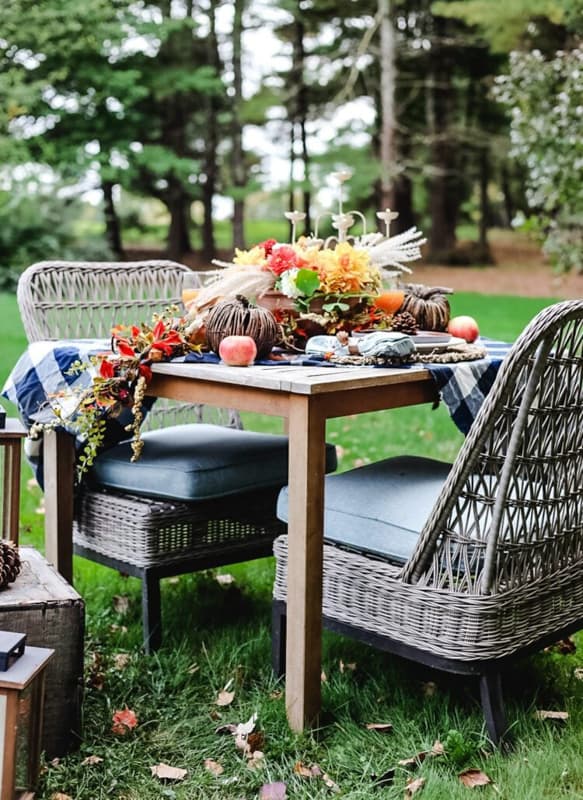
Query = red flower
x=267 y=246
x=282 y=259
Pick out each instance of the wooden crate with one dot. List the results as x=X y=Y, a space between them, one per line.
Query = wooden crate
x=43 y=605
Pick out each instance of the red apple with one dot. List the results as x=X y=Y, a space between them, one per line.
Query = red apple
x=238 y=351
x=464 y=327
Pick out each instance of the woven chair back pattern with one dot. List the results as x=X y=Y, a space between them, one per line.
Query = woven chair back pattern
x=511 y=512
x=72 y=300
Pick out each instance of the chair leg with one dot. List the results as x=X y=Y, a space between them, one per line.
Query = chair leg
x=493 y=705
x=151 y=612
x=278 y=634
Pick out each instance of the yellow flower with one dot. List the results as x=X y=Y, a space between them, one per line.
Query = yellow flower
x=345 y=270
x=252 y=258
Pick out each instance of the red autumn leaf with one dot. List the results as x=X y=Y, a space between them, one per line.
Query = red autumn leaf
x=146 y=371
x=163 y=347
x=125 y=348
x=474 y=777
x=159 y=329
x=123 y=721
x=106 y=369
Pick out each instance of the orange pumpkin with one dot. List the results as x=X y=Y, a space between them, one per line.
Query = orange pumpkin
x=390 y=301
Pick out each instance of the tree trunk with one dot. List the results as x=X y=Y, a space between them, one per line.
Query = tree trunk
x=484 y=204
x=178 y=203
x=291 y=202
x=238 y=156
x=387 y=126
x=210 y=160
x=507 y=193
x=443 y=188
x=301 y=114
x=112 y=224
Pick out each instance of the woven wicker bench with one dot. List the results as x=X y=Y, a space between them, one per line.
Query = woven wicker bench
x=150 y=536
x=465 y=566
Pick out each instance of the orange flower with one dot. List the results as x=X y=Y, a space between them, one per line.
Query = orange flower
x=345 y=270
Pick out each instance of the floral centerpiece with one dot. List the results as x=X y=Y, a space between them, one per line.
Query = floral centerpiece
x=314 y=285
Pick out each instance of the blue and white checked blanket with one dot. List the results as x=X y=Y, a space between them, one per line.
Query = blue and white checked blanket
x=42 y=373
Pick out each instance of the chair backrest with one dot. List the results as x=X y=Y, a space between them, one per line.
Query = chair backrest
x=84 y=300
x=511 y=511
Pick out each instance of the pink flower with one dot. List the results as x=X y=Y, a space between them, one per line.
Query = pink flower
x=267 y=246
x=282 y=258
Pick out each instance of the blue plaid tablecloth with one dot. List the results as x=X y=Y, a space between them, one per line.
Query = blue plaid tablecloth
x=43 y=372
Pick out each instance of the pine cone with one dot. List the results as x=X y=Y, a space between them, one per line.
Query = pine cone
x=9 y=563
x=403 y=322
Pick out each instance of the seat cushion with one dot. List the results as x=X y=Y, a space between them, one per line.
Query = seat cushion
x=381 y=508
x=197 y=462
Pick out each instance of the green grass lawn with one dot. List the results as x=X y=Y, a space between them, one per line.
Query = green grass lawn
x=219 y=634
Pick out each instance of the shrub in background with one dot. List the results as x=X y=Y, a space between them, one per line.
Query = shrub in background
x=41 y=225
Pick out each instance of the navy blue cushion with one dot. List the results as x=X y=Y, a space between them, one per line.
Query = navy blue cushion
x=197 y=462
x=380 y=508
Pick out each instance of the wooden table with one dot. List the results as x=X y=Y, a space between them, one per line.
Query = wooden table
x=306 y=397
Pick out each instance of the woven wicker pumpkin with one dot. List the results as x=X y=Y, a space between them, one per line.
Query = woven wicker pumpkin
x=9 y=563
x=428 y=305
x=239 y=318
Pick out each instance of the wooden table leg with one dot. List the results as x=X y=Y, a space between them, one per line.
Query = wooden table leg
x=11 y=489
x=59 y=477
x=307 y=429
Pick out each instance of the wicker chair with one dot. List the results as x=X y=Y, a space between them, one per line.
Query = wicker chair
x=463 y=567
x=163 y=533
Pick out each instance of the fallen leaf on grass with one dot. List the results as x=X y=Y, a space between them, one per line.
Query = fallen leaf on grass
x=123 y=721
x=273 y=791
x=330 y=783
x=561 y=715
x=214 y=767
x=255 y=741
x=225 y=697
x=225 y=580
x=578 y=673
x=256 y=759
x=379 y=727
x=313 y=771
x=165 y=772
x=60 y=796
x=351 y=667
x=413 y=786
x=90 y=760
x=474 y=777
x=437 y=749
x=121 y=660
x=229 y=727
x=121 y=604
x=323 y=677
x=277 y=694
